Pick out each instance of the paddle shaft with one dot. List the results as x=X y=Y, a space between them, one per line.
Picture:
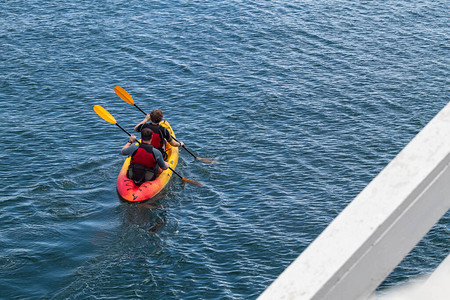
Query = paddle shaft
x=140 y=109
x=176 y=173
x=185 y=148
x=123 y=129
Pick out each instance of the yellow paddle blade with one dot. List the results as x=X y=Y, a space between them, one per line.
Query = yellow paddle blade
x=104 y=114
x=123 y=95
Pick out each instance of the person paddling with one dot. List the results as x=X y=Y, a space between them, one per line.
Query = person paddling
x=145 y=159
x=160 y=133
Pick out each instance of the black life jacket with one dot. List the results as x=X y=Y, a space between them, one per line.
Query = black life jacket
x=143 y=164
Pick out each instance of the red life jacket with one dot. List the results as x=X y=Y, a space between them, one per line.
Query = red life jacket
x=143 y=165
x=158 y=140
x=144 y=156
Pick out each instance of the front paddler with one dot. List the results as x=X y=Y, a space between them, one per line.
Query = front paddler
x=160 y=133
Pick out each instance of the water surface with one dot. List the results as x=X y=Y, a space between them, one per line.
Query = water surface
x=302 y=102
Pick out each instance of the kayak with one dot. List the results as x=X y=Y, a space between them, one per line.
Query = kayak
x=131 y=192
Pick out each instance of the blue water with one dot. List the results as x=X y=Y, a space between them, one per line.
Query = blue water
x=302 y=102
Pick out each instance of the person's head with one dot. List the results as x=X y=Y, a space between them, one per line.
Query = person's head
x=146 y=134
x=156 y=116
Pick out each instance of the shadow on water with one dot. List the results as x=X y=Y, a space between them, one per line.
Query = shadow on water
x=147 y=215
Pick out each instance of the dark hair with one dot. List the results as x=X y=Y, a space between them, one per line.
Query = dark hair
x=156 y=116
x=146 y=134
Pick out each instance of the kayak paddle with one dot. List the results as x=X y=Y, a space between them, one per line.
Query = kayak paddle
x=105 y=115
x=128 y=99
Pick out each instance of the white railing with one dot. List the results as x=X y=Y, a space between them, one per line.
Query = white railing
x=370 y=237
